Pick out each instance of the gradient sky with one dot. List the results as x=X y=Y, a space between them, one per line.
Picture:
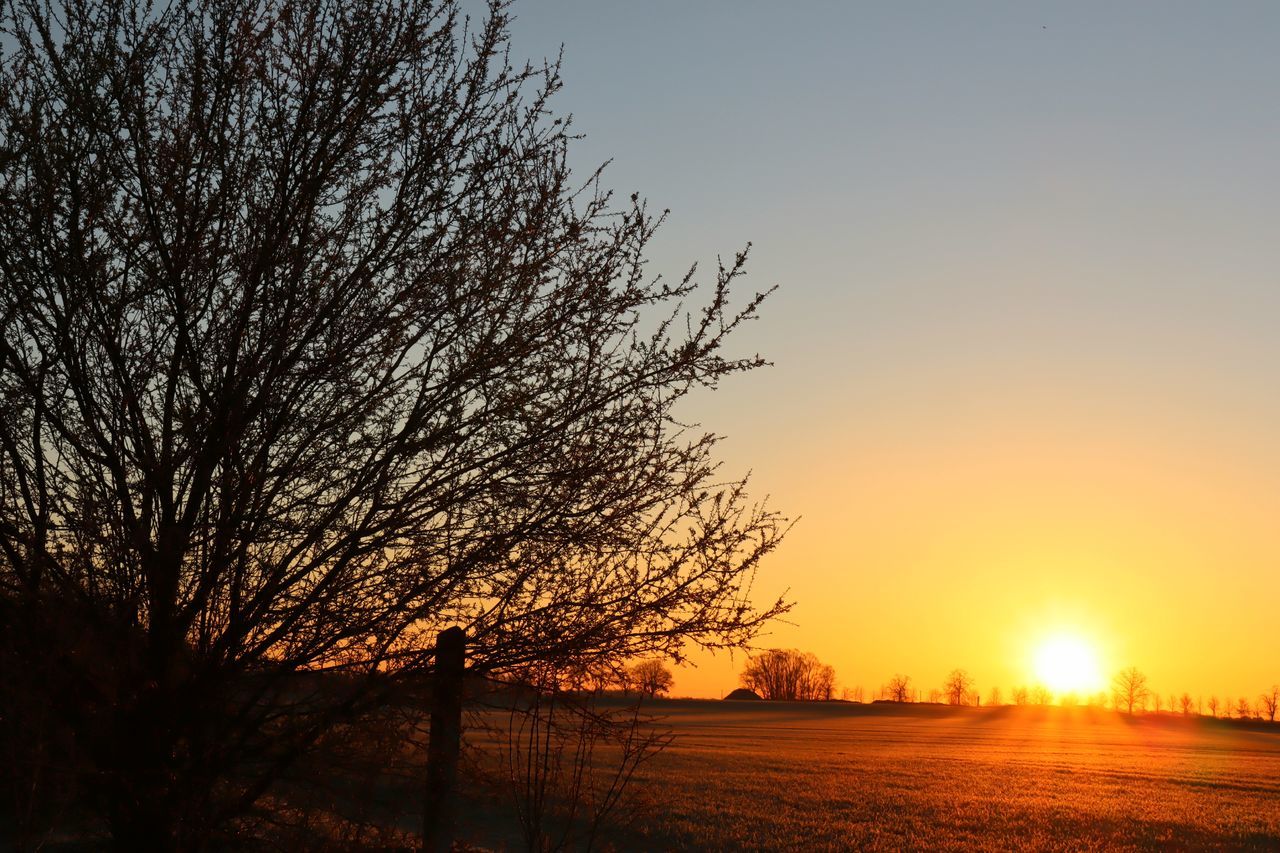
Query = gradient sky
x=1027 y=336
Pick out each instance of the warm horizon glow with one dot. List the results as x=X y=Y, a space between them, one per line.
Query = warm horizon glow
x=1067 y=664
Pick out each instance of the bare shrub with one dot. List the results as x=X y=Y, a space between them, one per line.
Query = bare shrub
x=568 y=763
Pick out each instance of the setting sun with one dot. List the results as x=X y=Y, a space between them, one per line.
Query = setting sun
x=1068 y=664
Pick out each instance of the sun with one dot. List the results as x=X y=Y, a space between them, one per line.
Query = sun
x=1068 y=664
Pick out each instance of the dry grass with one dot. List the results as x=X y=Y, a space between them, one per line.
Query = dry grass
x=833 y=776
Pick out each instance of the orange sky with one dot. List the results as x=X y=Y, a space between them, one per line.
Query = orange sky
x=962 y=535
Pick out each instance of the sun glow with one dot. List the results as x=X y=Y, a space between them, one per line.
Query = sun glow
x=1068 y=664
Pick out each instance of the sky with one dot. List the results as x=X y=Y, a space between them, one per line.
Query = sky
x=1026 y=369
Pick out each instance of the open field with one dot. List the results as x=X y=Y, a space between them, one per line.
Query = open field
x=755 y=775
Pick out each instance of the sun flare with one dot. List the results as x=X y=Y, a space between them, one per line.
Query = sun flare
x=1068 y=664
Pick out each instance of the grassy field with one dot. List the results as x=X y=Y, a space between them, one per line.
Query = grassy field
x=754 y=775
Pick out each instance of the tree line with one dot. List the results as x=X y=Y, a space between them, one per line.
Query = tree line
x=795 y=675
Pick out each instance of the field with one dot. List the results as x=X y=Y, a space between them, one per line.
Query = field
x=755 y=775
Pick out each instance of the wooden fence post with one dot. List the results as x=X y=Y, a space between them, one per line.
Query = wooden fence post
x=444 y=741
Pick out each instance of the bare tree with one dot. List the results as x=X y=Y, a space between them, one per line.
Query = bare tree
x=995 y=698
x=822 y=682
x=1244 y=710
x=1130 y=689
x=1186 y=703
x=310 y=345
x=650 y=677
x=1020 y=696
x=957 y=687
x=1269 y=701
x=1157 y=701
x=1213 y=706
x=852 y=694
x=1041 y=695
x=789 y=674
x=898 y=689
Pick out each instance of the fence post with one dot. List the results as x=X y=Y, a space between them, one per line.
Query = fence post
x=444 y=741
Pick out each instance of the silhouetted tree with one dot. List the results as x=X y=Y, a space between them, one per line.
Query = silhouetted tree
x=1020 y=696
x=957 y=687
x=1186 y=704
x=789 y=674
x=1269 y=701
x=1040 y=695
x=1155 y=697
x=1213 y=706
x=995 y=698
x=1130 y=690
x=852 y=694
x=1244 y=710
x=650 y=677
x=898 y=689
x=822 y=683
x=310 y=345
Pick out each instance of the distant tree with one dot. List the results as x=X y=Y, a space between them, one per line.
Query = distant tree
x=1130 y=690
x=995 y=699
x=957 y=687
x=650 y=677
x=1268 y=702
x=852 y=694
x=1157 y=701
x=1186 y=704
x=1244 y=710
x=1040 y=695
x=1098 y=700
x=1213 y=706
x=898 y=689
x=789 y=674
x=934 y=696
x=1020 y=696
x=1173 y=703
x=822 y=684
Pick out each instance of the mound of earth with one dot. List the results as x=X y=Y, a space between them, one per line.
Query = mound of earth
x=743 y=693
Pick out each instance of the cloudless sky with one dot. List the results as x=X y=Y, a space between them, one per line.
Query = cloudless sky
x=1026 y=343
